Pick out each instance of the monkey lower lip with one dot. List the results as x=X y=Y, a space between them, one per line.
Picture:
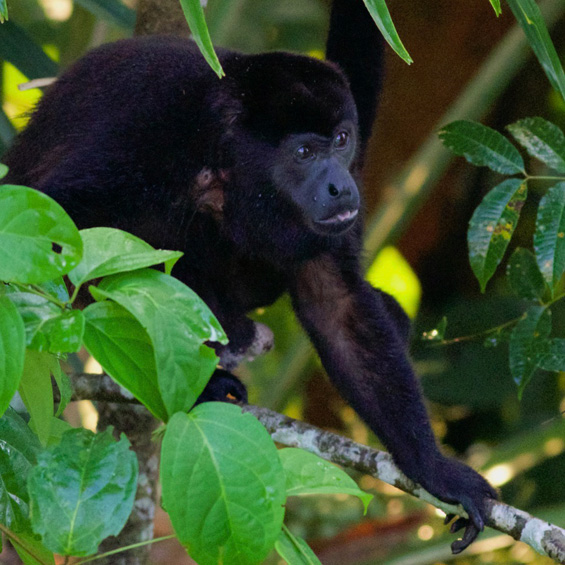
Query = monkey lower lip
x=346 y=216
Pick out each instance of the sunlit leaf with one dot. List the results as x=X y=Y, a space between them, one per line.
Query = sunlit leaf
x=307 y=473
x=178 y=324
x=18 y=452
x=3 y=170
x=549 y=237
x=223 y=484
x=123 y=348
x=38 y=239
x=294 y=550
x=82 y=491
x=12 y=351
x=524 y=275
x=482 y=146
x=496 y=6
x=379 y=12
x=530 y=19
x=492 y=226
x=543 y=140
x=108 y=251
x=194 y=15
x=36 y=391
x=3 y=11
x=526 y=340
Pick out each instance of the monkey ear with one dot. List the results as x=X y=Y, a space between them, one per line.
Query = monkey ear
x=208 y=191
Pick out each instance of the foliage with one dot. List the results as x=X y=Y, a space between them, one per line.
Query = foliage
x=535 y=277
x=148 y=331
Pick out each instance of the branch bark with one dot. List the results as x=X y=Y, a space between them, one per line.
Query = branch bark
x=545 y=538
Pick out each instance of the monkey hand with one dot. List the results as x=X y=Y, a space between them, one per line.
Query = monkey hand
x=456 y=483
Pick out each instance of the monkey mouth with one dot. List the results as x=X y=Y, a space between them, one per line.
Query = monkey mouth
x=340 y=218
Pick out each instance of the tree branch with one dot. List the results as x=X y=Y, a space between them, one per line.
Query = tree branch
x=545 y=538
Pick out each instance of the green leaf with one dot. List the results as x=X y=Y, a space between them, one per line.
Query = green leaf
x=553 y=356
x=47 y=326
x=38 y=240
x=108 y=251
x=18 y=453
x=223 y=484
x=542 y=140
x=64 y=385
x=530 y=19
x=526 y=339
x=110 y=10
x=3 y=170
x=379 y=12
x=496 y=6
x=12 y=351
x=492 y=226
x=36 y=391
x=178 y=324
x=194 y=15
x=123 y=348
x=294 y=550
x=18 y=48
x=482 y=146
x=82 y=491
x=549 y=237
x=3 y=11
x=524 y=276
x=307 y=473
x=41 y=555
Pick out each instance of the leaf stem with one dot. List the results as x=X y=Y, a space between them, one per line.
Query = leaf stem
x=543 y=177
x=38 y=291
x=126 y=548
x=16 y=539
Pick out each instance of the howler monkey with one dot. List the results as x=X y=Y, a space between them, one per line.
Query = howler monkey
x=255 y=178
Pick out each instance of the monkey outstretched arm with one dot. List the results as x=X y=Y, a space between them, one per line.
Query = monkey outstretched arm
x=355 y=332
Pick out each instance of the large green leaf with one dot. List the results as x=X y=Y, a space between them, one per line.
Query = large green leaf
x=307 y=473
x=530 y=19
x=48 y=327
x=223 y=485
x=36 y=391
x=482 y=146
x=178 y=324
x=294 y=550
x=38 y=240
x=549 y=237
x=18 y=453
x=82 y=491
x=526 y=341
x=111 y=10
x=194 y=15
x=524 y=275
x=12 y=351
x=542 y=139
x=123 y=348
x=17 y=47
x=379 y=12
x=492 y=226
x=108 y=251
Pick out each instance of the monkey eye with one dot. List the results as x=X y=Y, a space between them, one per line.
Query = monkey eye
x=303 y=153
x=341 y=140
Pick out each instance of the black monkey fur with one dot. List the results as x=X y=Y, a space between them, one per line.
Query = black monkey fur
x=252 y=176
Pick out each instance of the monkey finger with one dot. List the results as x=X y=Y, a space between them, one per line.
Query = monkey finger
x=448 y=518
x=470 y=535
x=459 y=524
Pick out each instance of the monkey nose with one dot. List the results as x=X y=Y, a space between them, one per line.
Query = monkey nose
x=336 y=192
